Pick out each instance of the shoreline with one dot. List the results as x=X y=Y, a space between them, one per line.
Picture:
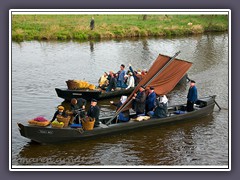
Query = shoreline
x=110 y=27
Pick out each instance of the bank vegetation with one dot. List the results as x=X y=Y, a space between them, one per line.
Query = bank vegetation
x=77 y=27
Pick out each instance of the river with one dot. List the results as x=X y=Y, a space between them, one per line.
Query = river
x=39 y=67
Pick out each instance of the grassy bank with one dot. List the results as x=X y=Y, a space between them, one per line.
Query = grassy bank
x=66 y=27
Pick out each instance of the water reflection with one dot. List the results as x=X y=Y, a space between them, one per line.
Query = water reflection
x=91 y=46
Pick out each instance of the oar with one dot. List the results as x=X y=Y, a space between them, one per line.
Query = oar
x=164 y=67
x=217 y=105
x=214 y=101
x=116 y=114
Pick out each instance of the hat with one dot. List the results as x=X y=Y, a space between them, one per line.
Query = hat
x=163 y=99
x=93 y=100
x=152 y=88
x=130 y=73
x=60 y=108
x=123 y=99
x=142 y=87
x=192 y=81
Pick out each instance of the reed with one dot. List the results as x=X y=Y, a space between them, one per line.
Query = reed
x=76 y=27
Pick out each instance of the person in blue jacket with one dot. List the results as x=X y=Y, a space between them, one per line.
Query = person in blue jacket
x=121 y=77
x=124 y=115
x=192 y=96
x=150 y=100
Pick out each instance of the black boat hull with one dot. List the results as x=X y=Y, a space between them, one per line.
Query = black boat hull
x=89 y=94
x=53 y=135
x=98 y=94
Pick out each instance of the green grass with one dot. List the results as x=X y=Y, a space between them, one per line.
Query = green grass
x=76 y=27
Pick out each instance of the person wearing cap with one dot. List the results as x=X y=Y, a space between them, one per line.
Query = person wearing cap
x=77 y=109
x=130 y=81
x=94 y=112
x=150 y=100
x=124 y=115
x=139 y=100
x=60 y=111
x=192 y=96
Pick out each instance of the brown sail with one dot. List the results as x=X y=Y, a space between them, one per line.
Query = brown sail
x=163 y=75
x=165 y=81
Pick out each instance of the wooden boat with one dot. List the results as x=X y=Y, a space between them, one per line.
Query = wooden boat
x=204 y=107
x=167 y=72
x=89 y=94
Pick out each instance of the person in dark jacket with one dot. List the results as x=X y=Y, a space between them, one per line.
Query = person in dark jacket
x=112 y=82
x=78 y=109
x=60 y=111
x=150 y=100
x=94 y=112
x=161 y=107
x=124 y=115
x=92 y=22
x=192 y=96
x=136 y=74
x=139 y=101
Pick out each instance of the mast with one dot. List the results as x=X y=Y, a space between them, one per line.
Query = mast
x=160 y=70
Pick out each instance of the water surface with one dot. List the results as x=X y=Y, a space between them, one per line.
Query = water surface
x=39 y=67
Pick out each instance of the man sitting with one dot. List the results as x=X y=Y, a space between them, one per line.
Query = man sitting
x=94 y=112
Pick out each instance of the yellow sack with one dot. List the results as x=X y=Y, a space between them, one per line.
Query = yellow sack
x=91 y=87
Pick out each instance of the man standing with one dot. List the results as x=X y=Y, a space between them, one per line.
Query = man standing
x=150 y=100
x=139 y=101
x=92 y=23
x=94 y=112
x=121 y=78
x=192 y=96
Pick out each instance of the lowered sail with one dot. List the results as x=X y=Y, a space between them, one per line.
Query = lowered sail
x=171 y=72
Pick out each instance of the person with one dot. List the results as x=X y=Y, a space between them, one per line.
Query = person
x=136 y=74
x=130 y=81
x=124 y=115
x=94 y=112
x=112 y=82
x=60 y=111
x=150 y=100
x=77 y=107
x=161 y=107
x=92 y=22
x=192 y=96
x=103 y=81
x=121 y=79
x=144 y=72
x=139 y=101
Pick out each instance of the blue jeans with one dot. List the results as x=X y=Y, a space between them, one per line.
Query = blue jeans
x=151 y=113
x=122 y=118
